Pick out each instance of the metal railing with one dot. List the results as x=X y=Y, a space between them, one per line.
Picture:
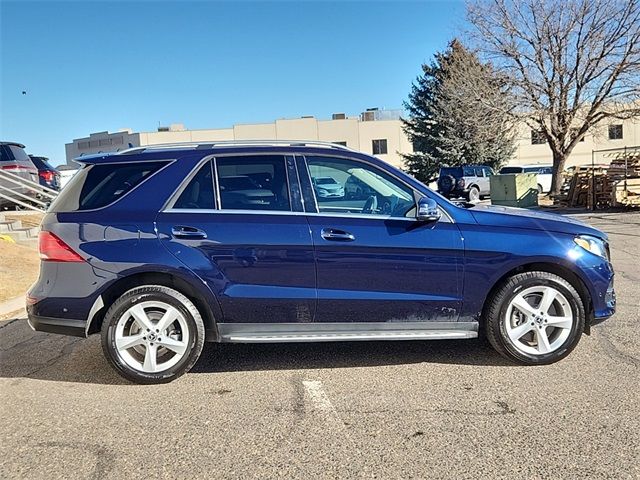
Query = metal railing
x=32 y=196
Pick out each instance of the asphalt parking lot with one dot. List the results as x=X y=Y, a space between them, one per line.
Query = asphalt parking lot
x=440 y=409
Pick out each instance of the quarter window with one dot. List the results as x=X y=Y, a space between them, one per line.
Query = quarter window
x=379 y=146
x=253 y=183
x=344 y=186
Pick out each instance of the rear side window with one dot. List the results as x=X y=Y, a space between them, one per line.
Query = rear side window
x=253 y=183
x=504 y=170
x=11 y=153
x=199 y=193
x=97 y=186
x=453 y=171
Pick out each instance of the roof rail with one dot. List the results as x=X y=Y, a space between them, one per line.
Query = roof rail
x=230 y=143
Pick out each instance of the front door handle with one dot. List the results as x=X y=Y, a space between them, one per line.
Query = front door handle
x=336 y=235
x=183 y=231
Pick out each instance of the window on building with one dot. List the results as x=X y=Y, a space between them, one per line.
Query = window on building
x=253 y=183
x=344 y=144
x=537 y=137
x=83 y=145
x=199 y=193
x=379 y=146
x=344 y=186
x=615 y=132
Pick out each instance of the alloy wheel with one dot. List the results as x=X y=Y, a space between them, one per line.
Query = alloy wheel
x=538 y=320
x=152 y=336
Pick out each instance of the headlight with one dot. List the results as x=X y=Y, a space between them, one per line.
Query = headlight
x=593 y=245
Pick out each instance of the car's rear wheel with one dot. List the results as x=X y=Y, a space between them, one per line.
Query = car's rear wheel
x=535 y=318
x=474 y=194
x=540 y=189
x=152 y=334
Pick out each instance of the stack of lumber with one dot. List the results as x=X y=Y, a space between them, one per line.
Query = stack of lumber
x=601 y=186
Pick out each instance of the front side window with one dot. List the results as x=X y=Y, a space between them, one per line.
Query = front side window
x=199 y=192
x=344 y=186
x=257 y=182
x=379 y=146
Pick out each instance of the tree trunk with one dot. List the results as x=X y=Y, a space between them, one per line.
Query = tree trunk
x=559 y=159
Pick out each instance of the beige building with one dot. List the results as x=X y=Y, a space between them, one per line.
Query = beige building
x=614 y=134
x=377 y=132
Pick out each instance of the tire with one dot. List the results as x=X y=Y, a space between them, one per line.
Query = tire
x=540 y=192
x=473 y=194
x=446 y=184
x=519 y=336
x=179 y=343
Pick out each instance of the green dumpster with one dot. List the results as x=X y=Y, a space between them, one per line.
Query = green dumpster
x=515 y=190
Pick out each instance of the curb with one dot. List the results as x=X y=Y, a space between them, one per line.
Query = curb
x=11 y=306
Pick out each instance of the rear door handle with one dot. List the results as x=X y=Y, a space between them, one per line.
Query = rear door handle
x=183 y=231
x=335 y=235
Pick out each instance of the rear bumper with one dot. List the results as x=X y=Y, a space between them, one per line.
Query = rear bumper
x=62 y=326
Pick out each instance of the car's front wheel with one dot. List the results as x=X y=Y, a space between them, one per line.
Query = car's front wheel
x=152 y=334
x=535 y=318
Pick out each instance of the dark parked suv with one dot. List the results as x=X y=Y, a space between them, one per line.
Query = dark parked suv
x=161 y=249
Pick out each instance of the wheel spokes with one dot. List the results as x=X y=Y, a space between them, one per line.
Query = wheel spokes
x=140 y=316
x=129 y=341
x=543 y=340
x=548 y=296
x=518 y=332
x=560 y=322
x=521 y=304
x=173 y=345
x=150 y=358
x=170 y=316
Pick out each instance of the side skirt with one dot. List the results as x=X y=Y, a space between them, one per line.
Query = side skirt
x=336 y=332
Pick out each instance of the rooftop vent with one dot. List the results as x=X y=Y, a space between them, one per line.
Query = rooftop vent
x=338 y=116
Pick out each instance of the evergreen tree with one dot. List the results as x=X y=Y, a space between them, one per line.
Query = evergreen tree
x=457 y=115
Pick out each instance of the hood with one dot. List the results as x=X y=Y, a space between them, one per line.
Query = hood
x=493 y=215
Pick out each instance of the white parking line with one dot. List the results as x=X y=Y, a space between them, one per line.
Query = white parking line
x=318 y=397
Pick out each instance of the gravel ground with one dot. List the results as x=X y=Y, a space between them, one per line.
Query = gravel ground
x=364 y=410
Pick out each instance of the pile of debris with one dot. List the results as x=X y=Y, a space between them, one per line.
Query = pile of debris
x=604 y=186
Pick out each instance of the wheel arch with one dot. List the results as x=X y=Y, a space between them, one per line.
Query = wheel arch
x=166 y=279
x=559 y=269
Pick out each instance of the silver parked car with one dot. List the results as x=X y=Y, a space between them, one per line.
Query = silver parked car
x=327 y=187
x=14 y=160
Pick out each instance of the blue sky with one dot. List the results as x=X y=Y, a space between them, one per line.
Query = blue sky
x=94 y=66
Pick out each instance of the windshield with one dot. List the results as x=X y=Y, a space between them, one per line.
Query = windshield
x=325 y=181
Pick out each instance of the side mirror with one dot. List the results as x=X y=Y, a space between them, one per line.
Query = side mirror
x=427 y=210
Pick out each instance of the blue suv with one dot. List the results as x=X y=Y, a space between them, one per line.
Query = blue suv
x=163 y=248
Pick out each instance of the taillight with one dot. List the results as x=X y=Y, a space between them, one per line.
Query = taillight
x=14 y=167
x=52 y=249
x=46 y=176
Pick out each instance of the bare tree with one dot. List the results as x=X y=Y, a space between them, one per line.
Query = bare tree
x=571 y=63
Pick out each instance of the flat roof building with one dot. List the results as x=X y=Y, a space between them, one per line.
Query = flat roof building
x=377 y=132
x=374 y=131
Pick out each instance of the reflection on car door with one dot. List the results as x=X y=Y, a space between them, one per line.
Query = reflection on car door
x=374 y=267
x=254 y=254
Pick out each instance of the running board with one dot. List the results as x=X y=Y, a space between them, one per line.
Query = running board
x=344 y=332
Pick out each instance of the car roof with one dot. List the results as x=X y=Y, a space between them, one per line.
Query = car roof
x=535 y=165
x=175 y=150
x=14 y=144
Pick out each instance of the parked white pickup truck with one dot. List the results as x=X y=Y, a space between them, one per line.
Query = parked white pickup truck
x=544 y=174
